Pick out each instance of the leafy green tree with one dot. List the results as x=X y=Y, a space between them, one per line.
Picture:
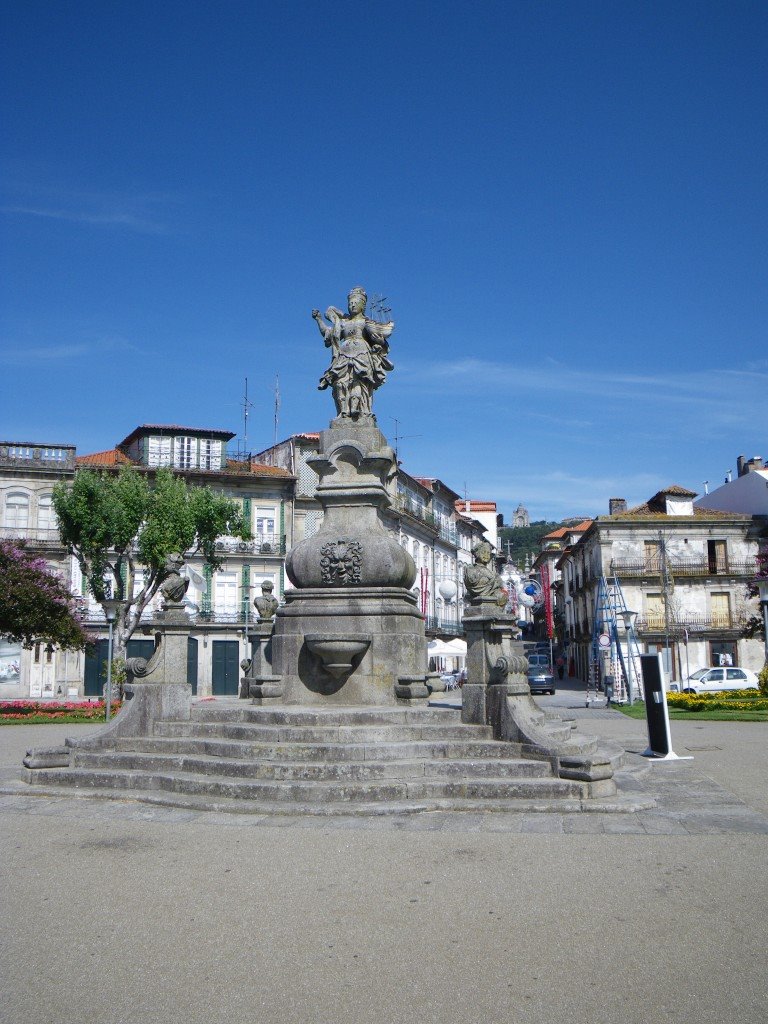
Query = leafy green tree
x=115 y=524
x=35 y=605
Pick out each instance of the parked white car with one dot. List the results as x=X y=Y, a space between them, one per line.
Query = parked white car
x=710 y=680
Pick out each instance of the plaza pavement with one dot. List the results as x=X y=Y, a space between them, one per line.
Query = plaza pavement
x=125 y=913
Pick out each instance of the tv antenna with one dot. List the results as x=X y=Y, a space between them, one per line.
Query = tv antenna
x=397 y=437
x=379 y=309
x=247 y=406
x=277 y=403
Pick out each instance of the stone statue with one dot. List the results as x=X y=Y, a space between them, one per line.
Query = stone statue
x=174 y=585
x=359 y=349
x=267 y=604
x=481 y=579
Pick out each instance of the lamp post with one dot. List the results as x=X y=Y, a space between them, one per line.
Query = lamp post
x=762 y=589
x=629 y=618
x=111 y=607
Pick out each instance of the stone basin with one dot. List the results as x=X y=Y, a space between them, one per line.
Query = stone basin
x=337 y=651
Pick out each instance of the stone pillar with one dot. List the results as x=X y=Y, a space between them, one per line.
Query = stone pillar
x=495 y=662
x=168 y=663
x=259 y=681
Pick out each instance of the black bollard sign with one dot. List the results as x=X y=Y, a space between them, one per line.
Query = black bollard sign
x=656 y=712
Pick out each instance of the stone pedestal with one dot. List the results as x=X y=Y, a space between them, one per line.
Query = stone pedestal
x=351 y=632
x=259 y=680
x=168 y=663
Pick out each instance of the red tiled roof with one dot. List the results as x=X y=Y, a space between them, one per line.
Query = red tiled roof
x=475 y=506
x=556 y=534
x=113 y=457
x=307 y=437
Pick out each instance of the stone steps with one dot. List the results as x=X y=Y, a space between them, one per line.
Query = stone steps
x=240 y=711
x=329 y=760
x=300 y=752
x=346 y=771
x=276 y=792
x=358 y=733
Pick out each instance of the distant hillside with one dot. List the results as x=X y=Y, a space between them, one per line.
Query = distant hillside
x=524 y=540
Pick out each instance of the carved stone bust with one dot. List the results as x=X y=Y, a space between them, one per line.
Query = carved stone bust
x=267 y=604
x=481 y=580
x=175 y=586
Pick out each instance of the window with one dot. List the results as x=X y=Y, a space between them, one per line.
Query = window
x=717 y=558
x=225 y=592
x=265 y=525
x=159 y=451
x=17 y=511
x=210 y=454
x=46 y=518
x=721 y=610
x=654 y=610
x=652 y=556
x=184 y=452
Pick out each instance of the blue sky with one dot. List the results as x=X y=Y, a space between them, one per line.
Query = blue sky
x=565 y=204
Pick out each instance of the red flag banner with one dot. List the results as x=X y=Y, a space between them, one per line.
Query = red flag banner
x=547 y=594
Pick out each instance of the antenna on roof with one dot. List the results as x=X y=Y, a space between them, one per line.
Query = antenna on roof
x=242 y=448
x=379 y=309
x=277 y=403
x=397 y=437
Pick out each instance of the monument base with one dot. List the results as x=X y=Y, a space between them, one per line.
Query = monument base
x=380 y=658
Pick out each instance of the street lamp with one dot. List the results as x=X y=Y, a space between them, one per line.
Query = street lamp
x=762 y=589
x=629 y=618
x=111 y=608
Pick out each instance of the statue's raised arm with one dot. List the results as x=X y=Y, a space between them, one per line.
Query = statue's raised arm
x=360 y=360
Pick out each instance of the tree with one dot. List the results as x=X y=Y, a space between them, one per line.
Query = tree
x=35 y=605
x=114 y=524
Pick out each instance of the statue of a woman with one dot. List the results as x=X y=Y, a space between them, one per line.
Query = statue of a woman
x=359 y=349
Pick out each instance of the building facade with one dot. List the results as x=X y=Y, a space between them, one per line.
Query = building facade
x=219 y=602
x=28 y=473
x=683 y=569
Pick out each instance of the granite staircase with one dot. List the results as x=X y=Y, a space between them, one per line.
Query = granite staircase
x=320 y=760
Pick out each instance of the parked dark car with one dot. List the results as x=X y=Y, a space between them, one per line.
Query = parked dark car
x=540 y=676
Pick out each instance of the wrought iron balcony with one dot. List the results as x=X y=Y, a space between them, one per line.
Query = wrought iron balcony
x=683 y=567
x=433 y=624
x=411 y=508
x=717 y=622
x=259 y=544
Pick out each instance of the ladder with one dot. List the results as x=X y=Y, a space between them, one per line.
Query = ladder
x=609 y=656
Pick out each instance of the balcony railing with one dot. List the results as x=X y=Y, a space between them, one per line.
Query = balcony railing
x=33 y=535
x=259 y=544
x=416 y=511
x=691 y=623
x=681 y=567
x=433 y=624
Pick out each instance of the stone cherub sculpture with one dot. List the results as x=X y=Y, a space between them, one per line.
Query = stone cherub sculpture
x=174 y=586
x=481 y=580
x=359 y=349
x=267 y=604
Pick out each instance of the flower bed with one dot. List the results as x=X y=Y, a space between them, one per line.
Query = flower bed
x=40 y=711
x=730 y=700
